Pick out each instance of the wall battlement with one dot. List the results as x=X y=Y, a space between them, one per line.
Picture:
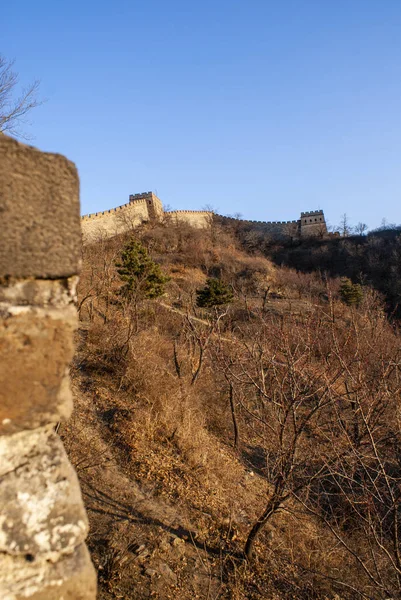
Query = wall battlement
x=259 y=222
x=311 y=213
x=192 y=212
x=110 y=211
x=147 y=207
x=133 y=197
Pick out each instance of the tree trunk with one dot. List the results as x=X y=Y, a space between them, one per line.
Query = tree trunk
x=234 y=418
x=199 y=367
x=272 y=506
x=176 y=361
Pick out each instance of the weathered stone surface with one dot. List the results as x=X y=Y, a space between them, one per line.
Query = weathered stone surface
x=71 y=578
x=42 y=511
x=37 y=292
x=43 y=523
x=39 y=208
x=36 y=347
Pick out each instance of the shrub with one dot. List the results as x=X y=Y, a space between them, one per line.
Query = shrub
x=351 y=293
x=215 y=293
x=142 y=276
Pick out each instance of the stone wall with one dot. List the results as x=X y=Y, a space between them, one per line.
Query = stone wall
x=155 y=206
x=276 y=229
x=310 y=224
x=313 y=223
x=43 y=524
x=141 y=208
x=200 y=219
x=112 y=222
x=147 y=207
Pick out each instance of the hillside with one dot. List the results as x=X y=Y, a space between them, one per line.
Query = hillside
x=373 y=259
x=192 y=425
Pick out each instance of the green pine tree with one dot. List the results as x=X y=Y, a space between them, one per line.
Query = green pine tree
x=351 y=293
x=215 y=293
x=142 y=277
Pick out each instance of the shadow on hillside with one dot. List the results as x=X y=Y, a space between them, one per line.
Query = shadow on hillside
x=374 y=260
x=254 y=458
x=120 y=511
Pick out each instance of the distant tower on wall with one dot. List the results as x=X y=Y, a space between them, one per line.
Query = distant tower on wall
x=154 y=204
x=312 y=223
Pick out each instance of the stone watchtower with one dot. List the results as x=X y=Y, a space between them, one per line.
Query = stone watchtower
x=154 y=204
x=312 y=223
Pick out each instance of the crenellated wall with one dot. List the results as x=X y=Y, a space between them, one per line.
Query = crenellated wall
x=276 y=229
x=154 y=204
x=114 y=221
x=311 y=224
x=141 y=208
x=43 y=524
x=146 y=207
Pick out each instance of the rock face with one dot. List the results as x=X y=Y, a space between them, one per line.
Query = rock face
x=43 y=524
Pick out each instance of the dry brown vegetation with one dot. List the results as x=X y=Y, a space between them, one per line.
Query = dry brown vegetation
x=269 y=429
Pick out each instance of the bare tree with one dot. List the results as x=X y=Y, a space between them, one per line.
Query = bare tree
x=14 y=104
x=283 y=397
x=344 y=226
x=359 y=496
x=361 y=228
x=321 y=403
x=98 y=279
x=210 y=208
x=200 y=335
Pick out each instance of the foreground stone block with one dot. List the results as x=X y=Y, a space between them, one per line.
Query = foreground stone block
x=43 y=523
x=71 y=578
x=56 y=293
x=36 y=347
x=39 y=208
x=42 y=511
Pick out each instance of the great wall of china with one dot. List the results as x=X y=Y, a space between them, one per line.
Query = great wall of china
x=147 y=207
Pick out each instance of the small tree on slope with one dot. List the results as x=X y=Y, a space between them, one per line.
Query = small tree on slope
x=215 y=293
x=351 y=293
x=142 y=277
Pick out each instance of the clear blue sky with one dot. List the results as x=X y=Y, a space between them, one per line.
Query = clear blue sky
x=263 y=107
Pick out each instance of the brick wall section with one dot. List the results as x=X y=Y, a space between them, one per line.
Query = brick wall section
x=274 y=229
x=311 y=224
x=147 y=207
x=141 y=208
x=114 y=221
x=43 y=524
x=200 y=219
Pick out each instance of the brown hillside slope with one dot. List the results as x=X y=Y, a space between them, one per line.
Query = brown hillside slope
x=311 y=387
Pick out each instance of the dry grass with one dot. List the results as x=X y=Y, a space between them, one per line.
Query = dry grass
x=171 y=438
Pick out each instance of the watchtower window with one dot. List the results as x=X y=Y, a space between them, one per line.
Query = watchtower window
x=315 y=220
x=311 y=220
